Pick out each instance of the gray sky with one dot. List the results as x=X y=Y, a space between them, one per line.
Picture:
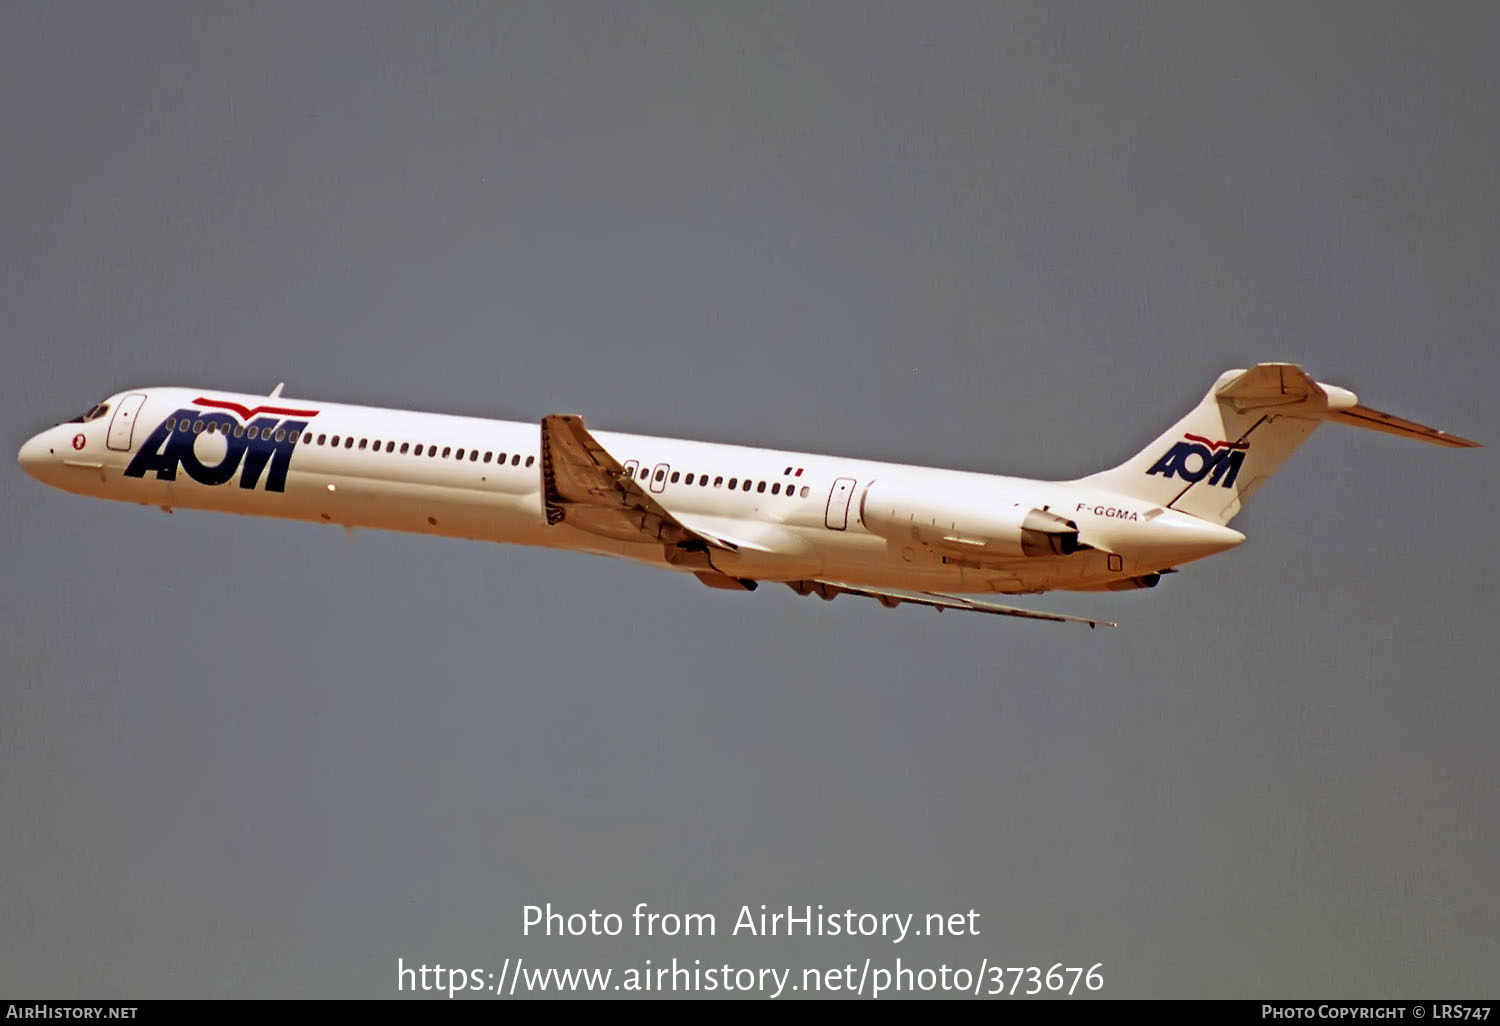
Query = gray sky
x=246 y=758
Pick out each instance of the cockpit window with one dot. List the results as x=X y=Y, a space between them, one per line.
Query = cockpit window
x=98 y=411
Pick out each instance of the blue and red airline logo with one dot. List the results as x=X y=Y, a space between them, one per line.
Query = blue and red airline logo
x=255 y=438
x=1197 y=457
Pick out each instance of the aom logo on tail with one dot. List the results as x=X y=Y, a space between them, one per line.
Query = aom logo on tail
x=1196 y=457
x=246 y=437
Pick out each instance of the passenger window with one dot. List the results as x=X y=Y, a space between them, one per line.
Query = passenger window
x=294 y=436
x=281 y=434
x=253 y=431
x=322 y=439
x=745 y=485
x=734 y=483
x=688 y=479
x=390 y=446
x=404 y=447
x=349 y=442
x=334 y=441
x=515 y=460
x=675 y=476
x=488 y=455
x=458 y=454
x=446 y=450
x=197 y=427
x=501 y=459
x=365 y=441
x=431 y=451
x=473 y=455
x=645 y=473
x=239 y=431
x=776 y=488
x=703 y=481
x=718 y=481
x=761 y=487
x=804 y=491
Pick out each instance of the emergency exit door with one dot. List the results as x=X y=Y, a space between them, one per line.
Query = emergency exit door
x=837 y=516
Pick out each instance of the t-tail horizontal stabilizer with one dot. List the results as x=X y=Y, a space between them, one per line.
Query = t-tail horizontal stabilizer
x=1361 y=416
x=891 y=599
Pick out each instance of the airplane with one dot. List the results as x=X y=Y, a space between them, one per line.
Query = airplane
x=732 y=516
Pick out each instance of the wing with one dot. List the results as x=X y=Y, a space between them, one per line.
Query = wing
x=891 y=599
x=583 y=485
x=587 y=487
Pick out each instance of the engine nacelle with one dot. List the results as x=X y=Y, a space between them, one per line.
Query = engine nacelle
x=959 y=525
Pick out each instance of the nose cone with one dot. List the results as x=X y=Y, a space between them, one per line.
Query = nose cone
x=35 y=455
x=32 y=453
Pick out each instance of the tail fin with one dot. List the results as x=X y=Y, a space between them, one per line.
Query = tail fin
x=1211 y=461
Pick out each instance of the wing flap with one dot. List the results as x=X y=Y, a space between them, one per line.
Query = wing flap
x=746 y=535
x=891 y=598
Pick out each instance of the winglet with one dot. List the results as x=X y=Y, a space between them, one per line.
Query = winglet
x=276 y=392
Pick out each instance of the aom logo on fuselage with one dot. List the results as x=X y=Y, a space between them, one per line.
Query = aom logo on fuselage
x=248 y=440
x=1196 y=457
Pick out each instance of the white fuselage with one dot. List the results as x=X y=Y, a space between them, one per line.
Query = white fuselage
x=357 y=467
